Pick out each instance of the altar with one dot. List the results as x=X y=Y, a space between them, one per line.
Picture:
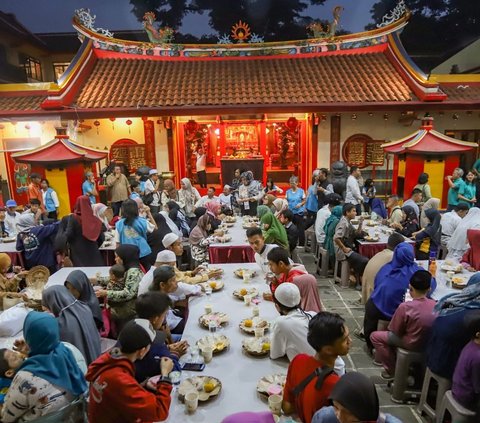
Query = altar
x=228 y=166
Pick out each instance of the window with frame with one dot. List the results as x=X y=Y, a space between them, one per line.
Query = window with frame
x=59 y=69
x=32 y=66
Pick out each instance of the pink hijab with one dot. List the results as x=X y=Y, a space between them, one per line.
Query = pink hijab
x=213 y=208
x=248 y=417
x=310 y=300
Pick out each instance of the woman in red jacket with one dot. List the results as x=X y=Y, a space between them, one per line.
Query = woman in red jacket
x=115 y=395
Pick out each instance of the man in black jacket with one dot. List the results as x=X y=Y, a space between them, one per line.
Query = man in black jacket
x=286 y=217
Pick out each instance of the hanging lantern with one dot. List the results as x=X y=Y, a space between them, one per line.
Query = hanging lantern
x=2 y=127
x=191 y=126
x=112 y=119
x=27 y=127
x=159 y=122
x=128 y=122
x=144 y=118
x=97 y=124
x=292 y=123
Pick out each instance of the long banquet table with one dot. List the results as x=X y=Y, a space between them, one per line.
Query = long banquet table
x=235 y=251
x=238 y=372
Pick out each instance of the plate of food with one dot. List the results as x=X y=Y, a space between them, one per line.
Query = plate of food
x=249 y=325
x=459 y=282
x=247 y=225
x=258 y=347
x=271 y=385
x=9 y=239
x=218 y=317
x=241 y=292
x=371 y=223
x=452 y=267
x=239 y=273
x=206 y=386
x=215 y=285
x=354 y=221
x=370 y=238
x=219 y=343
x=230 y=219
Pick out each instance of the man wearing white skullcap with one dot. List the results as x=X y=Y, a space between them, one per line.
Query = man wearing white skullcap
x=173 y=242
x=225 y=198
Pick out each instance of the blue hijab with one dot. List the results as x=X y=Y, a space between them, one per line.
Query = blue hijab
x=393 y=278
x=49 y=359
x=378 y=207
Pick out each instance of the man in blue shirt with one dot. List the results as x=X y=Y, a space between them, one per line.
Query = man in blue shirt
x=455 y=182
x=88 y=187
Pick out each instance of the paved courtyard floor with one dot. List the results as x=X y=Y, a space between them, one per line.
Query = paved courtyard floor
x=346 y=302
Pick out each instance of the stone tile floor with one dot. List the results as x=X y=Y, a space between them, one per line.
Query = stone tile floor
x=346 y=303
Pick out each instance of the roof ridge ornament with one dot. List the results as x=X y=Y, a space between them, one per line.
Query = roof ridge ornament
x=156 y=36
x=86 y=18
x=396 y=13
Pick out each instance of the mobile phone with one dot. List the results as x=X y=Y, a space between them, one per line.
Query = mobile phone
x=193 y=367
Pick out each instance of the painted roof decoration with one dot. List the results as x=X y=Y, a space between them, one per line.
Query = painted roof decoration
x=61 y=150
x=428 y=141
x=357 y=71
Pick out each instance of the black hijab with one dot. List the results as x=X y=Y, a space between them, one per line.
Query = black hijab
x=130 y=255
x=155 y=238
x=434 y=229
x=411 y=215
x=82 y=284
x=357 y=393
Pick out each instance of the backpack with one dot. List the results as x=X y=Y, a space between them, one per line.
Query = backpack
x=321 y=373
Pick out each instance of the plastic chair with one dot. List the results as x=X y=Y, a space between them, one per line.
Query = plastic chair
x=310 y=240
x=344 y=277
x=443 y=385
x=75 y=412
x=405 y=359
x=459 y=413
x=442 y=252
x=322 y=262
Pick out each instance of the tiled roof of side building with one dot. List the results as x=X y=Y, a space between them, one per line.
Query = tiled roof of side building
x=353 y=78
x=21 y=102
x=462 y=91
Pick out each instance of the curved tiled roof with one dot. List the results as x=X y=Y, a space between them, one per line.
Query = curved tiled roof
x=21 y=102
x=137 y=82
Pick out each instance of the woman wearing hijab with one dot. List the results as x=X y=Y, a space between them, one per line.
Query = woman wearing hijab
x=273 y=231
x=378 y=207
x=214 y=209
x=449 y=335
x=177 y=216
x=409 y=224
x=80 y=287
x=188 y=195
x=37 y=242
x=155 y=238
x=169 y=192
x=249 y=192
x=49 y=379
x=200 y=240
x=427 y=240
x=122 y=301
x=458 y=244
x=391 y=284
x=471 y=258
x=85 y=235
x=99 y=210
x=431 y=203
x=133 y=229
x=75 y=321
x=268 y=201
x=310 y=300
x=354 y=399
x=171 y=224
x=329 y=229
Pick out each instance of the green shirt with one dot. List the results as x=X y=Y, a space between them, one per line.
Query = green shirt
x=476 y=165
x=468 y=191
x=453 y=192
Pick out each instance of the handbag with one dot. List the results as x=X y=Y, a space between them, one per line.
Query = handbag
x=107 y=320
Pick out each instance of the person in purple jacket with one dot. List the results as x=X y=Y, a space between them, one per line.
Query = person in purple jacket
x=466 y=377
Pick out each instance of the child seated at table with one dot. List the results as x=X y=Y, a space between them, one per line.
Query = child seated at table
x=409 y=327
x=154 y=306
x=466 y=379
x=305 y=390
x=117 y=277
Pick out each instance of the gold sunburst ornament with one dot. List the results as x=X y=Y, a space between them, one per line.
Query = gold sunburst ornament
x=241 y=31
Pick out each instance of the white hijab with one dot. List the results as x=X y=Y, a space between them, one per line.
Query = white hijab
x=171 y=224
x=458 y=243
x=98 y=211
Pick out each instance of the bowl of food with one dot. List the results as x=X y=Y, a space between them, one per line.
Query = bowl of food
x=452 y=267
x=241 y=292
x=459 y=282
x=219 y=343
x=239 y=273
x=214 y=285
x=249 y=325
x=218 y=317
x=271 y=385
x=207 y=387
x=258 y=347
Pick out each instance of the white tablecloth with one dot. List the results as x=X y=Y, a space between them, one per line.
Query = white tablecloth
x=58 y=278
x=238 y=234
x=238 y=372
x=8 y=247
x=444 y=287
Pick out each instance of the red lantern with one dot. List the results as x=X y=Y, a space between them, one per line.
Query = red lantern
x=292 y=123
x=128 y=122
x=191 y=126
x=112 y=119
x=144 y=118
x=97 y=124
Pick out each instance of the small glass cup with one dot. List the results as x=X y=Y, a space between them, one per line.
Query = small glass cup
x=275 y=404
x=212 y=326
x=247 y=276
x=450 y=275
x=208 y=308
x=247 y=299
x=207 y=353
x=191 y=402
x=256 y=311
x=208 y=290
x=259 y=332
